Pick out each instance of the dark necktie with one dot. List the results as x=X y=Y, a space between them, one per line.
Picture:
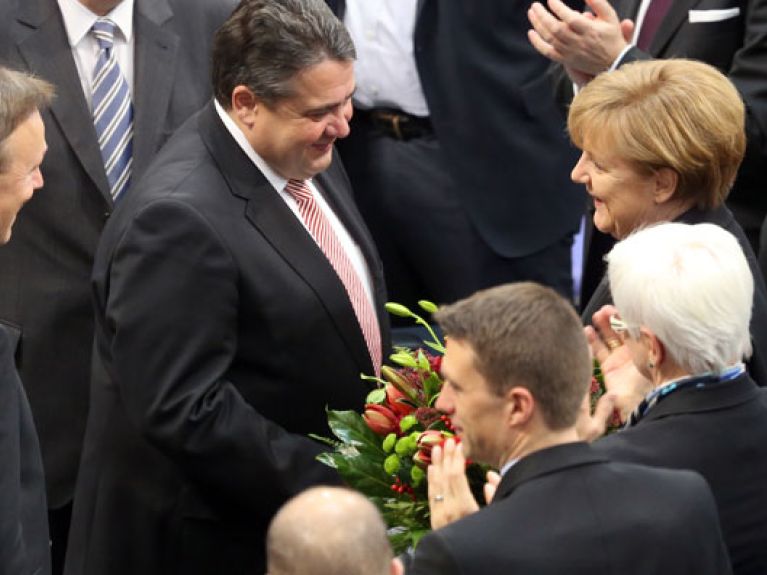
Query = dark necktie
x=652 y=21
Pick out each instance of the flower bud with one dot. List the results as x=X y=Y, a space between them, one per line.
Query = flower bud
x=380 y=419
x=407 y=422
x=422 y=460
x=417 y=475
x=397 y=309
x=402 y=384
x=404 y=447
x=397 y=402
x=391 y=464
x=428 y=439
x=388 y=443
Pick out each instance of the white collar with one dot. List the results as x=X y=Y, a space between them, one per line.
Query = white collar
x=78 y=20
x=277 y=181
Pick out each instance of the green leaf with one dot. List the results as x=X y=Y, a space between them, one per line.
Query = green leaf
x=439 y=348
x=376 y=396
x=431 y=387
x=427 y=306
x=404 y=359
x=423 y=362
x=350 y=428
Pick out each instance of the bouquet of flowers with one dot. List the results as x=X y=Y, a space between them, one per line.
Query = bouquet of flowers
x=384 y=452
x=596 y=391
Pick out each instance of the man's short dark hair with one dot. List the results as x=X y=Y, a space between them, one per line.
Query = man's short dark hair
x=265 y=43
x=20 y=95
x=527 y=335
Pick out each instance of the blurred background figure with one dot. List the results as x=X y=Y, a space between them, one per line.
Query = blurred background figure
x=457 y=155
x=156 y=53
x=662 y=141
x=329 y=531
x=729 y=34
x=672 y=355
x=24 y=546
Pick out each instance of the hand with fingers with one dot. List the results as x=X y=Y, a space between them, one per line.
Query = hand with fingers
x=625 y=385
x=450 y=497
x=585 y=43
x=590 y=426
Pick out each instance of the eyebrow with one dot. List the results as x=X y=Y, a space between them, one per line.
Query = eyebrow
x=329 y=107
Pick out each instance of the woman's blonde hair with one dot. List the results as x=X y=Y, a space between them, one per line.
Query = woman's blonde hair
x=678 y=114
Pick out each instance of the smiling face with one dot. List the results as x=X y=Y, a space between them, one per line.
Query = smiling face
x=23 y=153
x=476 y=412
x=295 y=136
x=624 y=198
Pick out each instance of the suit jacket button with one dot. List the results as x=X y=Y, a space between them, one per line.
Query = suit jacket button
x=106 y=215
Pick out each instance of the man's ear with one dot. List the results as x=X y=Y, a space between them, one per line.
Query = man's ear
x=520 y=405
x=666 y=182
x=245 y=105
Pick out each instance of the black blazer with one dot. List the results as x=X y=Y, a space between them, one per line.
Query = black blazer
x=722 y=217
x=492 y=106
x=570 y=510
x=737 y=46
x=224 y=333
x=23 y=519
x=47 y=265
x=720 y=431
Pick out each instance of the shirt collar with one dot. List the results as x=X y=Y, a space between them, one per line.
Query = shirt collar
x=277 y=181
x=78 y=20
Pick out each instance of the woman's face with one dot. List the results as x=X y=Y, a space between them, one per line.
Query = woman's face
x=624 y=198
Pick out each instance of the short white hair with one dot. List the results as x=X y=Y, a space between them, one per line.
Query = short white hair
x=690 y=285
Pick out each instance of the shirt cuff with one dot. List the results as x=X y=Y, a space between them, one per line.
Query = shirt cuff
x=619 y=60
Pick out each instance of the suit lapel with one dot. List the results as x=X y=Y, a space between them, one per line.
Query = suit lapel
x=155 y=56
x=46 y=50
x=279 y=226
x=627 y=8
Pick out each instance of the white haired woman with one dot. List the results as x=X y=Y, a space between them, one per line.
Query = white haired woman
x=683 y=296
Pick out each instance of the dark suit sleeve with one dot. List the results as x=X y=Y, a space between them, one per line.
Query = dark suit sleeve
x=433 y=557
x=11 y=541
x=173 y=308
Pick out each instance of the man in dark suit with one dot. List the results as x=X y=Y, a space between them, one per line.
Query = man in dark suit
x=458 y=155
x=237 y=295
x=164 y=47
x=730 y=35
x=516 y=369
x=23 y=521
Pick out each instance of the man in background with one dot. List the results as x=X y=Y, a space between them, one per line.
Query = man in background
x=23 y=521
x=458 y=155
x=152 y=60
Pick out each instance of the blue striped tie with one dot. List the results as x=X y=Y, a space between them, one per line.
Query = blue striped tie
x=112 y=111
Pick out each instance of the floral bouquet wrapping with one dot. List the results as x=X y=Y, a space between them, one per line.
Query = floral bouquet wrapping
x=384 y=452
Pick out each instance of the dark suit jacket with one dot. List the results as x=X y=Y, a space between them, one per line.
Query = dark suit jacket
x=224 y=333
x=47 y=265
x=23 y=520
x=569 y=510
x=722 y=217
x=720 y=431
x=492 y=107
x=738 y=48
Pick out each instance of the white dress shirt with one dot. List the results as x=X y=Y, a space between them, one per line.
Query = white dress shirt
x=385 y=68
x=278 y=182
x=78 y=21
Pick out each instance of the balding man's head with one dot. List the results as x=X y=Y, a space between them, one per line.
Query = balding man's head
x=328 y=531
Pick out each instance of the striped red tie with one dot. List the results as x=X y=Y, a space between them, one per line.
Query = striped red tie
x=326 y=239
